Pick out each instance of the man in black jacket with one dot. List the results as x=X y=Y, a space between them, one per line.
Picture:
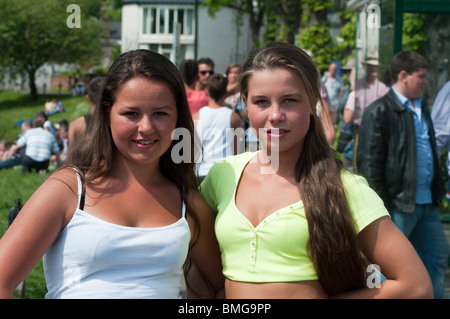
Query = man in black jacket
x=397 y=154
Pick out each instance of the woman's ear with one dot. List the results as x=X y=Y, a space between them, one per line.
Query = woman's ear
x=244 y=99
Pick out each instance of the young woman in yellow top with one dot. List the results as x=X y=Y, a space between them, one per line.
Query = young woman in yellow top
x=291 y=223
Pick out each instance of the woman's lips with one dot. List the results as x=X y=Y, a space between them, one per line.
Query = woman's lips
x=144 y=144
x=277 y=132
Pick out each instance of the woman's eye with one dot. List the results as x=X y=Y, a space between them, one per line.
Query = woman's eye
x=130 y=113
x=261 y=102
x=160 y=114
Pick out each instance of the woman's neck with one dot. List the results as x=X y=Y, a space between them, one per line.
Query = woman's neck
x=280 y=163
x=142 y=174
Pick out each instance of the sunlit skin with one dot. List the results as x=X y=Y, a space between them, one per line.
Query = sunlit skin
x=233 y=74
x=135 y=193
x=142 y=120
x=203 y=78
x=372 y=73
x=332 y=70
x=281 y=115
x=411 y=85
x=232 y=77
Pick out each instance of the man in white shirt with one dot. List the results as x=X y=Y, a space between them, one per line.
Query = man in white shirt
x=39 y=145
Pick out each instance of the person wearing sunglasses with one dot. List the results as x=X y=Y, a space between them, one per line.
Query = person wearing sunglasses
x=205 y=70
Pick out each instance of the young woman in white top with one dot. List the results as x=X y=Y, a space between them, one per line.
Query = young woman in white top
x=216 y=126
x=120 y=218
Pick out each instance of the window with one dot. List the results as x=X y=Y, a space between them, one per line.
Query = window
x=161 y=20
x=162 y=24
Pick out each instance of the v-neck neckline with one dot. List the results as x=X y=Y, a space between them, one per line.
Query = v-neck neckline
x=270 y=216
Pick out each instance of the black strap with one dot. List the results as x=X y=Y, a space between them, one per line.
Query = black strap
x=81 y=201
x=83 y=191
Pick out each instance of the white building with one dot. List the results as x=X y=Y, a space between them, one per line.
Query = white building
x=170 y=27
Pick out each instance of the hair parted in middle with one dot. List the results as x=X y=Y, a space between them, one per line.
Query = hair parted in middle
x=94 y=154
x=332 y=243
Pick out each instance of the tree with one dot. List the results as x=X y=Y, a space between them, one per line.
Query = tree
x=315 y=33
x=283 y=20
x=289 y=13
x=35 y=32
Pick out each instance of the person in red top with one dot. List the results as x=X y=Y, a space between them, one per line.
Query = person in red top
x=196 y=99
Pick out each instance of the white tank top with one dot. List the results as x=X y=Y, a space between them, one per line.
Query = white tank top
x=92 y=258
x=214 y=130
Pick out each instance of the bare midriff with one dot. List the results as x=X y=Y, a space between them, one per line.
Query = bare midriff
x=274 y=290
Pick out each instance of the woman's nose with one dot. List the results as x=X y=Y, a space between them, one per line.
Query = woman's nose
x=276 y=113
x=145 y=124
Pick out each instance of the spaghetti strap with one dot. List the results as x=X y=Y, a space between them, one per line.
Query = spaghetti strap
x=183 y=209
x=80 y=191
x=183 y=205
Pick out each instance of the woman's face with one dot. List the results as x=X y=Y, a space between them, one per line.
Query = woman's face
x=279 y=109
x=142 y=119
x=233 y=74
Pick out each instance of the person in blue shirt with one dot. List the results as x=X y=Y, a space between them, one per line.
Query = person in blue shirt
x=440 y=114
x=398 y=155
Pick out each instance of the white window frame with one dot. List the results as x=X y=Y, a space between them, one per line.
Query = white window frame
x=146 y=17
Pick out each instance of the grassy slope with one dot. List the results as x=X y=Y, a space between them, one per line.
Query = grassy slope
x=14 y=107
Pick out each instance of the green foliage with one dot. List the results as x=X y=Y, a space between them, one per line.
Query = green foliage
x=285 y=18
x=317 y=39
x=215 y=6
x=112 y=9
x=317 y=6
x=413 y=31
x=348 y=34
x=35 y=32
x=315 y=34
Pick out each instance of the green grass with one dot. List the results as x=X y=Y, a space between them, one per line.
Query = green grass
x=12 y=185
x=16 y=106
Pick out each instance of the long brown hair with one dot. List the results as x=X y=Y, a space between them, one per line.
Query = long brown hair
x=93 y=154
x=332 y=244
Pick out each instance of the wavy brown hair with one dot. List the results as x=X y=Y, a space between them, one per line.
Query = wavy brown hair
x=332 y=244
x=94 y=153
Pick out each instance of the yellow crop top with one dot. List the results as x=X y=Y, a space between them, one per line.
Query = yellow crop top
x=275 y=250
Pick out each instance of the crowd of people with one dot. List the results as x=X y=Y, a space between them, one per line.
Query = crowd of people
x=264 y=207
x=40 y=146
